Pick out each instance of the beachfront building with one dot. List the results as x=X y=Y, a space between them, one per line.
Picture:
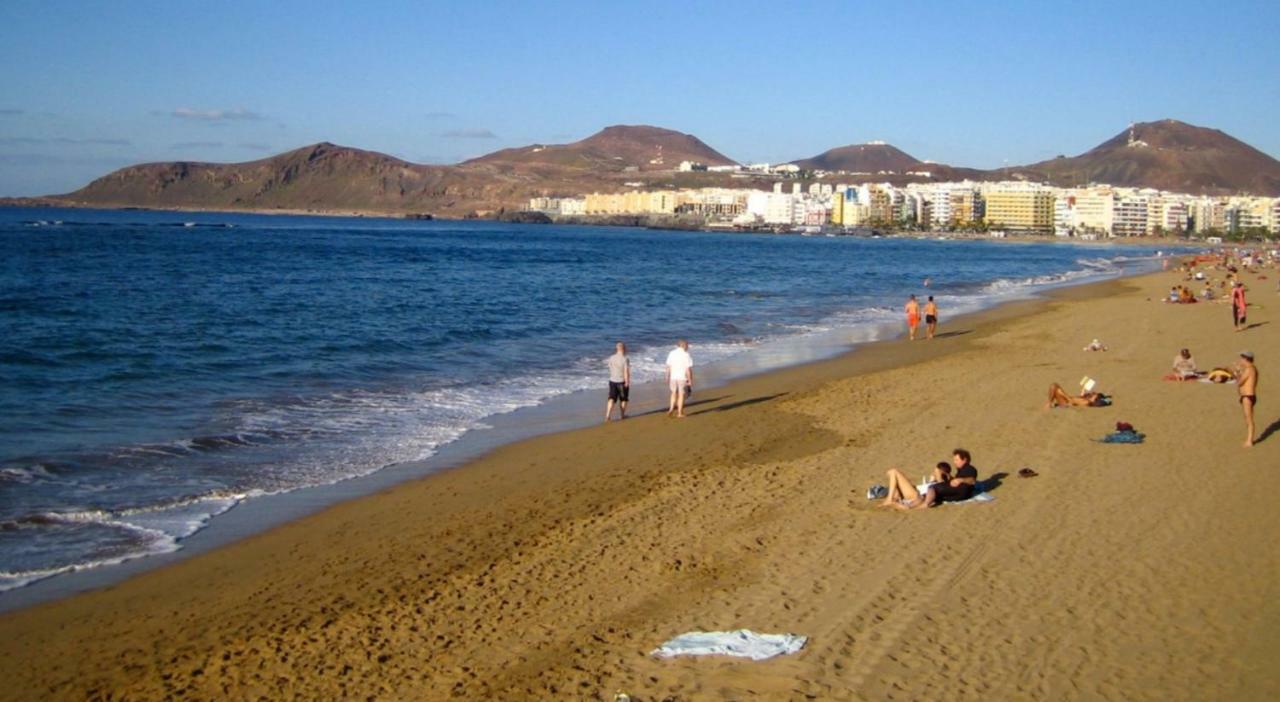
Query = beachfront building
x=1248 y=214
x=562 y=206
x=1129 y=216
x=853 y=209
x=631 y=202
x=1019 y=207
x=720 y=204
x=945 y=205
x=1208 y=215
x=1167 y=214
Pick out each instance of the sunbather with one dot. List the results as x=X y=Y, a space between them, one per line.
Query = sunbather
x=948 y=485
x=1059 y=398
x=1184 y=367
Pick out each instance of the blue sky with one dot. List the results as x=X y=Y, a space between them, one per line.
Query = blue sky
x=91 y=86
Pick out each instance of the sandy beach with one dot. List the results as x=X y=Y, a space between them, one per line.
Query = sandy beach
x=550 y=568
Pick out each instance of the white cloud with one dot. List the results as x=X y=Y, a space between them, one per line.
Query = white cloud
x=238 y=114
x=469 y=134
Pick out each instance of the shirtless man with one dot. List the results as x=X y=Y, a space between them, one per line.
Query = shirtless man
x=930 y=317
x=913 y=316
x=1247 y=386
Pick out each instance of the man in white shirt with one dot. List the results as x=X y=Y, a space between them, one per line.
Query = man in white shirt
x=679 y=377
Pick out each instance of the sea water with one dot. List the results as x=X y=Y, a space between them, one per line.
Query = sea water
x=159 y=368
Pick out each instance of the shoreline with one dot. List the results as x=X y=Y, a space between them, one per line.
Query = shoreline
x=574 y=411
x=550 y=567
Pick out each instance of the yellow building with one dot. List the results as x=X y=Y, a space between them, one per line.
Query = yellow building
x=633 y=202
x=1020 y=208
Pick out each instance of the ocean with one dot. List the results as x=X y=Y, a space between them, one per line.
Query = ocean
x=160 y=368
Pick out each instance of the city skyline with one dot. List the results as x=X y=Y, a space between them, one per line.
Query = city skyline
x=971 y=86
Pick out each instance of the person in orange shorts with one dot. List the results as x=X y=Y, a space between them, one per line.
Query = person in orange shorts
x=913 y=316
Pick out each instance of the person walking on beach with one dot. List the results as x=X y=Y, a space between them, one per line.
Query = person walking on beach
x=1247 y=386
x=913 y=316
x=930 y=317
x=619 y=382
x=679 y=377
x=1238 y=305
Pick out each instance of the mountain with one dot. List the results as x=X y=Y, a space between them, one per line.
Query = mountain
x=862 y=158
x=611 y=149
x=1167 y=155
x=322 y=177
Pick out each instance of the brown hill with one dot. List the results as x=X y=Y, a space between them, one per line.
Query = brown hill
x=862 y=158
x=327 y=178
x=322 y=177
x=609 y=150
x=1167 y=155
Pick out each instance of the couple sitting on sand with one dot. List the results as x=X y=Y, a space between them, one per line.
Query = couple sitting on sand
x=946 y=484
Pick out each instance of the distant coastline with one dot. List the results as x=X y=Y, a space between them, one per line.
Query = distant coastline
x=633 y=221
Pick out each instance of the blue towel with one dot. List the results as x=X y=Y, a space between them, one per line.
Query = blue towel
x=1124 y=437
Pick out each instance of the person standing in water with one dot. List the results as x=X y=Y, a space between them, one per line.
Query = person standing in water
x=913 y=316
x=619 y=382
x=930 y=317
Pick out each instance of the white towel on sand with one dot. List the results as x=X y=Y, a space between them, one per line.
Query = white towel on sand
x=742 y=643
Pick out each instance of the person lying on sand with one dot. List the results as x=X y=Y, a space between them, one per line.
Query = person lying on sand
x=948 y=485
x=1059 y=398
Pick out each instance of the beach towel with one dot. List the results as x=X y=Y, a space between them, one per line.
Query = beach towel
x=978 y=496
x=1124 y=437
x=742 y=643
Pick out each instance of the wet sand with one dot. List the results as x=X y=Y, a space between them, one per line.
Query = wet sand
x=550 y=568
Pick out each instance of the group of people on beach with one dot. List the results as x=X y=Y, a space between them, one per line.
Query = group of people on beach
x=679 y=375
x=913 y=317
x=1244 y=373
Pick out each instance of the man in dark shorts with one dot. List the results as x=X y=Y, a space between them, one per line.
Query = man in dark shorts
x=930 y=317
x=619 y=382
x=960 y=486
x=1247 y=387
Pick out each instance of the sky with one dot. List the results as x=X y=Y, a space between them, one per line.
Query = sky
x=88 y=87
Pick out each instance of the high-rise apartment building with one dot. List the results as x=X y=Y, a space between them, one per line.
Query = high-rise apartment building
x=1020 y=207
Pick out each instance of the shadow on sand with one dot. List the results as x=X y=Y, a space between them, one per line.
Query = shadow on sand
x=1273 y=428
x=744 y=403
x=992 y=482
x=948 y=335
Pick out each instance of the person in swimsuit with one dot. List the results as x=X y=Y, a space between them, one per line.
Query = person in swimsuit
x=1238 y=305
x=1059 y=398
x=930 y=317
x=1247 y=386
x=913 y=316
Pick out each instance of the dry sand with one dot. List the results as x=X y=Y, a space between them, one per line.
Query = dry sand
x=549 y=569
